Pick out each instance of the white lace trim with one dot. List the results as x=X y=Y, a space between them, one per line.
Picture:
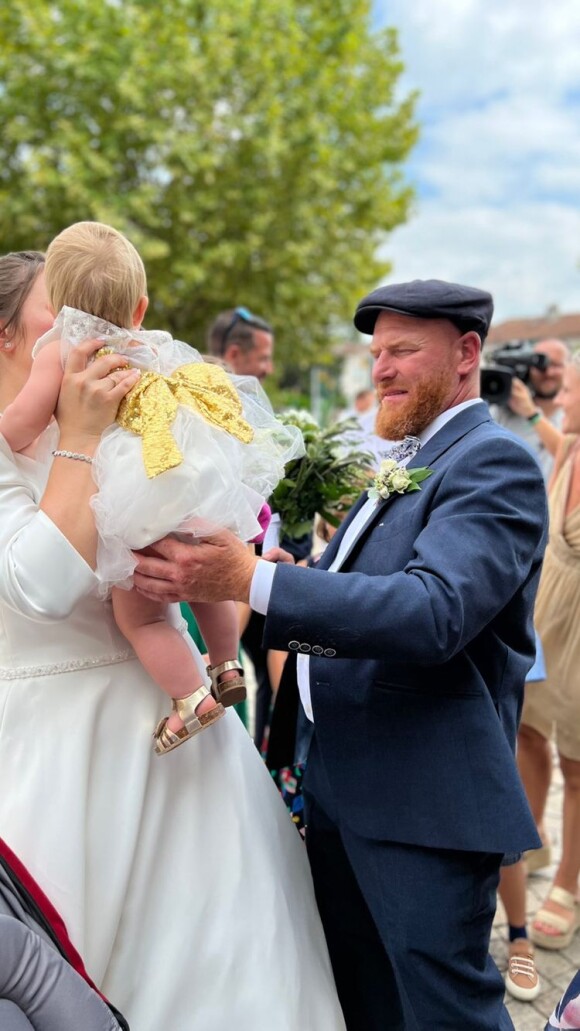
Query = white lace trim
x=24 y=672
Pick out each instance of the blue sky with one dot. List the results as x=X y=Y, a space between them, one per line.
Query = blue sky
x=497 y=169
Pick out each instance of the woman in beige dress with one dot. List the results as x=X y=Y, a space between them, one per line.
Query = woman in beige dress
x=553 y=705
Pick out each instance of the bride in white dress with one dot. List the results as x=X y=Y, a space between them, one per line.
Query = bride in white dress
x=183 y=883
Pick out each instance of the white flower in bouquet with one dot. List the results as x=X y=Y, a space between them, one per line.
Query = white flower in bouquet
x=326 y=480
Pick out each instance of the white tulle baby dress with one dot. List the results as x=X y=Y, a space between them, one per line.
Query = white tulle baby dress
x=220 y=480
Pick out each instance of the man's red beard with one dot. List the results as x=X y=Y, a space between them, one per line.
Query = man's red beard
x=425 y=401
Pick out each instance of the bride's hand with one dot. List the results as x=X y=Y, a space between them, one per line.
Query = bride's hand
x=91 y=392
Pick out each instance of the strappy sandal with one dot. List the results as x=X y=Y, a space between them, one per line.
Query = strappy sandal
x=166 y=740
x=228 y=692
x=565 y=927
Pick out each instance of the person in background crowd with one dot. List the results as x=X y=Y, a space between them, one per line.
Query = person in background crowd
x=553 y=704
x=243 y=341
x=364 y=403
x=534 y=414
x=413 y=635
x=521 y=978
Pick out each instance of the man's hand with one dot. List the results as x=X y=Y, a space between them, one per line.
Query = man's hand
x=216 y=568
x=520 y=400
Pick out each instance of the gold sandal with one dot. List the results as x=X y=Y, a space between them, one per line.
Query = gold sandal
x=166 y=740
x=228 y=692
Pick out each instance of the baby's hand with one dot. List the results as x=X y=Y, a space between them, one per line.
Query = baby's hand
x=278 y=555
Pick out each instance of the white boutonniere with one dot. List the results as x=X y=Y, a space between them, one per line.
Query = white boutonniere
x=393 y=478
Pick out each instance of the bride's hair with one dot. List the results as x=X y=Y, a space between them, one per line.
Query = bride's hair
x=93 y=267
x=18 y=272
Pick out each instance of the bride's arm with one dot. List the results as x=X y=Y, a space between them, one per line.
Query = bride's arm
x=48 y=549
x=41 y=574
x=89 y=398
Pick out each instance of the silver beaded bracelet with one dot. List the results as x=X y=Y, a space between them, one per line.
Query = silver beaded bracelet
x=73 y=454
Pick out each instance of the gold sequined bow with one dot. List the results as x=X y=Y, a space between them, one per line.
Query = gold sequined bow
x=149 y=409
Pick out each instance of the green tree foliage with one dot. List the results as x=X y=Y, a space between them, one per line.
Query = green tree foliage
x=251 y=149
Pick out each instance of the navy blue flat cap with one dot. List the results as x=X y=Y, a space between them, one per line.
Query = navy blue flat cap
x=465 y=306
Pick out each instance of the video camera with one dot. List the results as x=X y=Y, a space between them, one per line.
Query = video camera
x=514 y=359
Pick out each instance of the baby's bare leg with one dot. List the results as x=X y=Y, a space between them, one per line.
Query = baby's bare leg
x=219 y=625
x=160 y=648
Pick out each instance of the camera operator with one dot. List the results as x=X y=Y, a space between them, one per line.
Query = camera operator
x=531 y=411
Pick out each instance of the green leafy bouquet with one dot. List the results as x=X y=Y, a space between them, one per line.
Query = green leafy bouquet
x=326 y=480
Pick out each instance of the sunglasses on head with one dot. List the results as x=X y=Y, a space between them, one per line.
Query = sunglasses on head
x=239 y=315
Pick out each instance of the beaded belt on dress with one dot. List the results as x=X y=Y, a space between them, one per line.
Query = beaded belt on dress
x=24 y=672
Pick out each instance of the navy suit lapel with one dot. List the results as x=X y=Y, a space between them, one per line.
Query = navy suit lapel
x=450 y=433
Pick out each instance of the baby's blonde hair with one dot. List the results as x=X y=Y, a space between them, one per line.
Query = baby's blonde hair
x=93 y=267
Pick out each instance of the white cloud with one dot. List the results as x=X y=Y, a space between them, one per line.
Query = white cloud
x=476 y=47
x=497 y=168
x=527 y=255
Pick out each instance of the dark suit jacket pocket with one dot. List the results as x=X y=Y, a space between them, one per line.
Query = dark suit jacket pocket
x=425 y=690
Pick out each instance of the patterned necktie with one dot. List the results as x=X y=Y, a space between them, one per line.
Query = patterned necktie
x=403 y=450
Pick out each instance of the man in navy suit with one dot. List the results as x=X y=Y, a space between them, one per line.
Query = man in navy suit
x=413 y=637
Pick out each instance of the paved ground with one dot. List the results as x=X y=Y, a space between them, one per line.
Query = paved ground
x=555 y=968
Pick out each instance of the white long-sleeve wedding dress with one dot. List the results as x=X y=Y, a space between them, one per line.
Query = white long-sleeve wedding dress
x=181 y=879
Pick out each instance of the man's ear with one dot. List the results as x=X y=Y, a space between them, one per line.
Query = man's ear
x=470 y=352
x=231 y=354
x=139 y=313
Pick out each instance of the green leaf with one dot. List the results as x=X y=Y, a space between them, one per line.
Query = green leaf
x=420 y=474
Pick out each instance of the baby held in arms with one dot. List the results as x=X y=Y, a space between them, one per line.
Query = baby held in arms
x=188 y=453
